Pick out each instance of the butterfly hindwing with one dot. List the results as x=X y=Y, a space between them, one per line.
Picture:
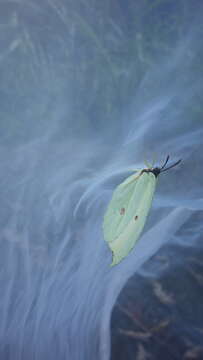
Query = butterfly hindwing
x=126 y=214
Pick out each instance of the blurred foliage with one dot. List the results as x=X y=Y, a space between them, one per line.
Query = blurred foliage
x=160 y=309
x=86 y=57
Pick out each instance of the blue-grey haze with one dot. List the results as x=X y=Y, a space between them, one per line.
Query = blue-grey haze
x=88 y=91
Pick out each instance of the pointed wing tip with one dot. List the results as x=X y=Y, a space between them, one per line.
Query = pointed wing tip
x=114 y=263
x=115 y=260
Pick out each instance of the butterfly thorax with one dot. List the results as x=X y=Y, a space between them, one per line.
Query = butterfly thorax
x=156 y=171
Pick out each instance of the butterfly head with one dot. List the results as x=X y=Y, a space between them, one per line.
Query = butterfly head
x=157 y=170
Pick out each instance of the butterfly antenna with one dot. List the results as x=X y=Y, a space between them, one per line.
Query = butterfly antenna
x=171 y=166
x=165 y=162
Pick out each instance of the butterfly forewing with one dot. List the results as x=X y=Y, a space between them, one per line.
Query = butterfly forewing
x=116 y=211
x=122 y=228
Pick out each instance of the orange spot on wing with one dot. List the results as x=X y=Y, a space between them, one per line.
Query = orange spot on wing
x=122 y=211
